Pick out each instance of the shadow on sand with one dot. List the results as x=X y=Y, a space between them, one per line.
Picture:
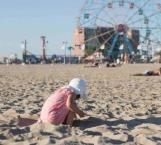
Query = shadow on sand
x=26 y=121
x=94 y=122
x=89 y=123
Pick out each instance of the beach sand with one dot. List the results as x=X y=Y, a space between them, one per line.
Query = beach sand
x=122 y=109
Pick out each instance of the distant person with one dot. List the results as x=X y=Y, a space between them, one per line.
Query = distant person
x=108 y=64
x=60 y=107
x=94 y=64
x=117 y=61
x=150 y=73
x=79 y=59
x=59 y=60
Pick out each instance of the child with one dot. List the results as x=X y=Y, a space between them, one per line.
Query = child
x=60 y=107
x=150 y=73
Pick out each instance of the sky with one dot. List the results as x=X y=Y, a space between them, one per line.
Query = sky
x=29 y=19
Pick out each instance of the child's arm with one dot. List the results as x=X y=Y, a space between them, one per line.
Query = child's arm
x=73 y=107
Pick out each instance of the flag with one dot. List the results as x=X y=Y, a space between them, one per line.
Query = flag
x=63 y=47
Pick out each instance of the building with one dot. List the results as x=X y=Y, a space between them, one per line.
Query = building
x=87 y=40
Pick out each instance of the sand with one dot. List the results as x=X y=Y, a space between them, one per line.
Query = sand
x=123 y=109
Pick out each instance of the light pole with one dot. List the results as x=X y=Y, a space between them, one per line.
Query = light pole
x=24 y=48
x=64 y=45
x=70 y=48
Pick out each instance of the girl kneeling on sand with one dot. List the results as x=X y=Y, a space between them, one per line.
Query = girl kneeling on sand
x=60 y=107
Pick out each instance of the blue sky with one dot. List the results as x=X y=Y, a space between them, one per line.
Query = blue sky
x=29 y=19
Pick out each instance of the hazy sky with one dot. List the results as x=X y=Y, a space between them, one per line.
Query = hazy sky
x=29 y=19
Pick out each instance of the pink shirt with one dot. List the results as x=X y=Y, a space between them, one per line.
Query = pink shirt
x=54 y=109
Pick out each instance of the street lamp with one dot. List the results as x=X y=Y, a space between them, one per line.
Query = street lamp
x=64 y=47
x=24 y=48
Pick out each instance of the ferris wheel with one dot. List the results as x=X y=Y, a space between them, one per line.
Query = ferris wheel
x=120 y=26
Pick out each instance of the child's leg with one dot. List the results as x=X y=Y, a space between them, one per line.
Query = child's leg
x=71 y=116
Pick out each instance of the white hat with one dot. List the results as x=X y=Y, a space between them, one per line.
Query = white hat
x=79 y=87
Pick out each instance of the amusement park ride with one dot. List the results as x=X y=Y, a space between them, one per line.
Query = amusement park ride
x=120 y=27
x=28 y=57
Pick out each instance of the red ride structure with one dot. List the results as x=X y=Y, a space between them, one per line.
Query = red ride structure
x=43 y=39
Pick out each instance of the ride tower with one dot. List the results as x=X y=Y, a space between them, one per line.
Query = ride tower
x=121 y=43
x=44 y=42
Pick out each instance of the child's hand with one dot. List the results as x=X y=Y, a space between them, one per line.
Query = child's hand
x=86 y=114
x=81 y=114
